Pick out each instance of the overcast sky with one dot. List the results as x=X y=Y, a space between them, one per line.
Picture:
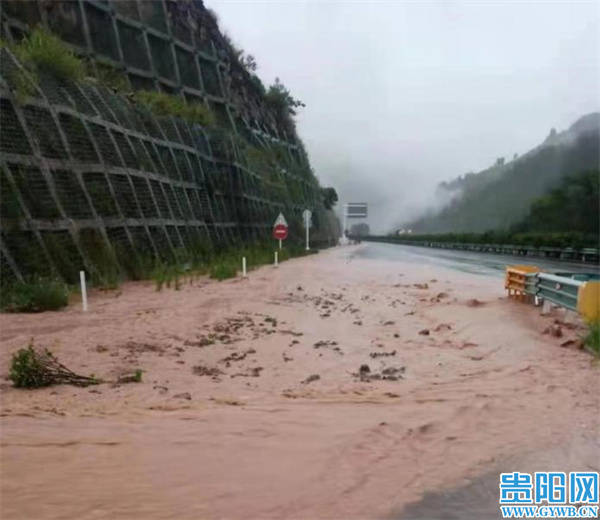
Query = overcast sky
x=401 y=95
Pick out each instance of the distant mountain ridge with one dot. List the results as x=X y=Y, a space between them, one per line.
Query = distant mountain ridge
x=500 y=196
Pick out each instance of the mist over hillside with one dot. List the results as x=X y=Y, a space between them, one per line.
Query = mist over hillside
x=500 y=196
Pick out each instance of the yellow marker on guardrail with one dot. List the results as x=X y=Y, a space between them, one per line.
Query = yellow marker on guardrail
x=518 y=283
x=516 y=278
x=588 y=300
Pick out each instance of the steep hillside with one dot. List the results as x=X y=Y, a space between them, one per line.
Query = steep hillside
x=134 y=132
x=501 y=196
x=573 y=206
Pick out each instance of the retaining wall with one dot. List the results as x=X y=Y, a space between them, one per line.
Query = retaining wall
x=91 y=179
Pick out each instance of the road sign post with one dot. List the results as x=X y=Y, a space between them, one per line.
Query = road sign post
x=280 y=229
x=353 y=210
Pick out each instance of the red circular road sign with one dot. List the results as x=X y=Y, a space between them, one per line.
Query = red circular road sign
x=280 y=232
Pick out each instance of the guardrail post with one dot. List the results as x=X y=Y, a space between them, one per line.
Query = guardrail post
x=546 y=307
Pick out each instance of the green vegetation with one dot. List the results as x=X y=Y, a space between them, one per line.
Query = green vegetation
x=109 y=77
x=22 y=83
x=504 y=194
x=257 y=254
x=224 y=268
x=45 y=56
x=27 y=371
x=107 y=278
x=592 y=340
x=283 y=105
x=279 y=98
x=259 y=159
x=131 y=377
x=257 y=82
x=44 y=52
x=162 y=104
x=34 y=368
x=105 y=272
x=572 y=206
x=165 y=274
x=330 y=197
x=222 y=265
x=35 y=295
x=229 y=262
x=188 y=264
x=137 y=266
x=41 y=294
x=565 y=217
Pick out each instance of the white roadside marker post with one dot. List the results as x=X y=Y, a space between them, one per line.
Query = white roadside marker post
x=276 y=259
x=306 y=216
x=83 y=290
x=307 y=247
x=244 y=266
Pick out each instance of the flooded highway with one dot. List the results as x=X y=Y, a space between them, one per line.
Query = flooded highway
x=369 y=381
x=476 y=498
x=485 y=264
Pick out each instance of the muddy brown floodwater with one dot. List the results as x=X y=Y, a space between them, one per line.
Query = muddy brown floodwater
x=333 y=386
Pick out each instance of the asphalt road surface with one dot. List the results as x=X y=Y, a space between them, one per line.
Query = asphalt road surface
x=486 y=264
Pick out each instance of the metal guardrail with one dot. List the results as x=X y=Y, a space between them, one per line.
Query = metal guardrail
x=559 y=290
x=586 y=255
x=582 y=277
x=579 y=292
x=518 y=281
x=531 y=284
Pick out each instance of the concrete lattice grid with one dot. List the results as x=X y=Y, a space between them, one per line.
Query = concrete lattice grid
x=86 y=173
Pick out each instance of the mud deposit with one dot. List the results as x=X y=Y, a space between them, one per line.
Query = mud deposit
x=304 y=391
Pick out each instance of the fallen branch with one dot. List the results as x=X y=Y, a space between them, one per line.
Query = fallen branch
x=34 y=368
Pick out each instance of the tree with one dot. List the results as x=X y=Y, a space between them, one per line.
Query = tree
x=572 y=206
x=283 y=105
x=330 y=197
x=279 y=97
x=248 y=62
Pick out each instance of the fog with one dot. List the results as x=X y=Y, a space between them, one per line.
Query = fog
x=402 y=95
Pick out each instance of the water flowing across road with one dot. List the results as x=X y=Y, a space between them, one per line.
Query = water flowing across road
x=477 y=499
x=376 y=381
x=486 y=264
